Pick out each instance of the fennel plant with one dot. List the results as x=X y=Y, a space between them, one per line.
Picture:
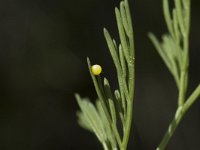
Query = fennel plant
x=115 y=109
x=102 y=118
x=174 y=50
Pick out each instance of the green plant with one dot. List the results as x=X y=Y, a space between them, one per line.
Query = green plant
x=102 y=119
x=174 y=50
x=113 y=110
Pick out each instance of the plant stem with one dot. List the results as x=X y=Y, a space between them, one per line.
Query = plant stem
x=180 y=112
x=183 y=105
x=172 y=127
x=128 y=125
x=184 y=72
x=105 y=146
x=192 y=98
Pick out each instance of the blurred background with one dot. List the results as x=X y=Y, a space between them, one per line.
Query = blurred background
x=43 y=50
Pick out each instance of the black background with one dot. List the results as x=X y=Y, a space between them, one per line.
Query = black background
x=43 y=50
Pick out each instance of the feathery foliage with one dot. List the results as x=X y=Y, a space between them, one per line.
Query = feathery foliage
x=174 y=50
x=114 y=109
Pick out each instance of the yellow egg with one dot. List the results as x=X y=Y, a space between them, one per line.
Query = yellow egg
x=96 y=69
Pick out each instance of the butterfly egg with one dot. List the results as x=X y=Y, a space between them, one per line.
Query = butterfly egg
x=96 y=69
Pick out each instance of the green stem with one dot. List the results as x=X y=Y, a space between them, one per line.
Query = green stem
x=192 y=98
x=184 y=71
x=105 y=147
x=128 y=126
x=185 y=61
x=178 y=117
x=172 y=127
x=182 y=88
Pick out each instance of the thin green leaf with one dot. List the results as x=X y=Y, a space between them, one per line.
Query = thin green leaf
x=119 y=105
x=122 y=61
x=179 y=10
x=176 y=27
x=129 y=19
x=113 y=52
x=107 y=89
x=107 y=124
x=171 y=52
x=113 y=111
x=124 y=19
x=83 y=121
x=131 y=33
x=92 y=117
x=115 y=44
x=160 y=51
x=122 y=34
x=186 y=10
x=167 y=15
x=177 y=38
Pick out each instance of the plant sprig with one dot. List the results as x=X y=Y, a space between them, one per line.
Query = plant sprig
x=174 y=50
x=115 y=107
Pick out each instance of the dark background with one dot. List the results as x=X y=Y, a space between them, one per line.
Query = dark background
x=43 y=50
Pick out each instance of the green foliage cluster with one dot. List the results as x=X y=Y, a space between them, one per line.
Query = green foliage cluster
x=113 y=111
x=174 y=50
x=102 y=119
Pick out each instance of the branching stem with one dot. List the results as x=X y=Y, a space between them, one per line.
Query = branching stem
x=178 y=117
